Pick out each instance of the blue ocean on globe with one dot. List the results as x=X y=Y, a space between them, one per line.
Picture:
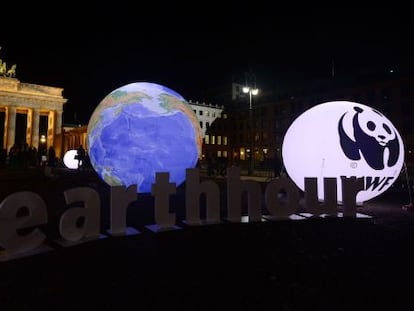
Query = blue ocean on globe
x=141 y=129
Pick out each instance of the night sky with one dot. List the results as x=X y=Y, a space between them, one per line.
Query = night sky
x=195 y=50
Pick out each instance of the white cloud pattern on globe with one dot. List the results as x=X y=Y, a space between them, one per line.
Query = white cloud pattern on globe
x=140 y=129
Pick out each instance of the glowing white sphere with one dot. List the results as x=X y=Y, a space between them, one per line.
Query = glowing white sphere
x=342 y=138
x=69 y=159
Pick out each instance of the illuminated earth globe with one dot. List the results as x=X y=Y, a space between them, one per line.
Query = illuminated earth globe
x=141 y=129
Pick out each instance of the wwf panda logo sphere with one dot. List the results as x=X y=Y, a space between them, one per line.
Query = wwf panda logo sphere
x=343 y=138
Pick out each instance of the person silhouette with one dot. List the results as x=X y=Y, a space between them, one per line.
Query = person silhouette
x=277 y=166
x=80 y=156
x=51 y=156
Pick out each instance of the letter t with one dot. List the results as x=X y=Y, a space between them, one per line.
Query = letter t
x=161 y=190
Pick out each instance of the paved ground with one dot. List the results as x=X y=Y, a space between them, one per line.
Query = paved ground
x=314 y=264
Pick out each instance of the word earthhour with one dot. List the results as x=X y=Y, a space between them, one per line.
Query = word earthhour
x=12 y=225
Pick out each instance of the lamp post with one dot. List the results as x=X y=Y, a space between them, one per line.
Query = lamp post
x=251 y=92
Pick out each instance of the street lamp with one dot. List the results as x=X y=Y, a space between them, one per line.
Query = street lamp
x=251 y=92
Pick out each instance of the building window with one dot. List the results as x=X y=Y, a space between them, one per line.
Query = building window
x=207 y=125
x=225 y=140
x=218 y=153
x=213 y=140
x=218 y=140
x=200 y=112
x=201 y=124
x=225 y=153
x=207 y=139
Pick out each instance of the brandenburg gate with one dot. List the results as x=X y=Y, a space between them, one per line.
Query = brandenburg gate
x=34 y=102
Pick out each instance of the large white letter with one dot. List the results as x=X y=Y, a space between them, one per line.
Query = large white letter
x=329 y=205
x=121 y=197
x=273 y=204
x=34 y=208
x=235 y=188
x=69 y=226
x=350 y=188
x=161 y=190
x=192 y=200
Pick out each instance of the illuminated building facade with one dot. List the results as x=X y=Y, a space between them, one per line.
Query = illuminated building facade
x=74 y=136
x=390 y=92
x=213 y=125
x=30 y=114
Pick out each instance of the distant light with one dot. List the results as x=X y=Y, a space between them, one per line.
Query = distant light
x=246 y=89
x=42 y=139
x=391 y=70
x=69 y=159
x=255 y=91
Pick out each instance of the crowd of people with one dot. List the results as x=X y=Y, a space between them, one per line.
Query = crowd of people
x=24 y=156
x=21 y=156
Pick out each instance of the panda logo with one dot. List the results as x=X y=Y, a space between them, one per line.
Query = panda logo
x=374 y=138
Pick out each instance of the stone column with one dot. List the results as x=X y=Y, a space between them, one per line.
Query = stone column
x=58 y=137
x=11 y=126
x=51 y=129
x=35 y=128
x=58 y=122
x=6 y=113
x=29 y=127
